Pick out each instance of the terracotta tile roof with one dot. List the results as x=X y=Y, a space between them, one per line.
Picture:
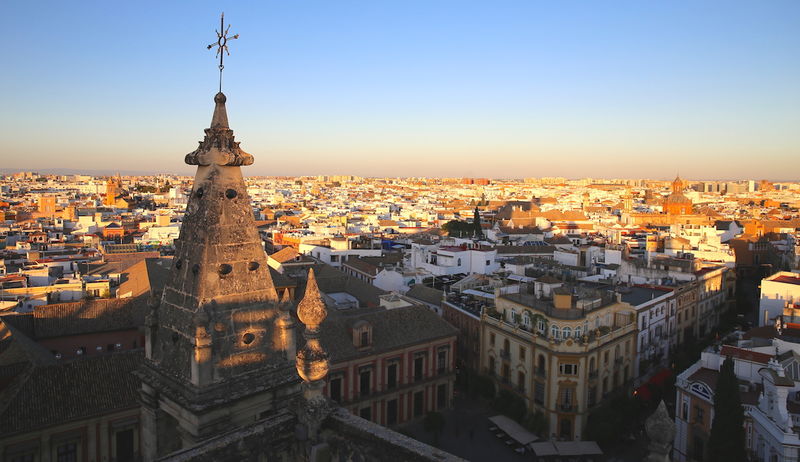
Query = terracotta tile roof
x=746 y=355
x=391 y=330
x=706 y=376
x=284 y=255
x=426 y=294
x=74 y=390
x=362 y=266
x=86 y=316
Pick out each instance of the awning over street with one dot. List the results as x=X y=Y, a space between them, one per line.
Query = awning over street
x=543 y=449
x=513 y=429
x=565 y=448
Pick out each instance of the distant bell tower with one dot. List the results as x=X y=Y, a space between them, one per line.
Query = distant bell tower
x=219 y=350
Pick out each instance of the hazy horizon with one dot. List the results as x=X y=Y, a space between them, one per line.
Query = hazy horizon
x=413 y=89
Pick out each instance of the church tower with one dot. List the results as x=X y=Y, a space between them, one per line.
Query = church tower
x=218 y=344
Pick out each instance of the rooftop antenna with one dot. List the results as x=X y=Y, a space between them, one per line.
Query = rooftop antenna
x=222 y=45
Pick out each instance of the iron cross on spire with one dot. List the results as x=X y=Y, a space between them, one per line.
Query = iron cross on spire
x=222 y=45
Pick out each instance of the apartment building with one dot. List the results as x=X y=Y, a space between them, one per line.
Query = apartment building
x=560 y=347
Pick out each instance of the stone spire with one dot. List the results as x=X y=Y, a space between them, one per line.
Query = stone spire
x=218 y=314
x=661 y=430
x=312 y=359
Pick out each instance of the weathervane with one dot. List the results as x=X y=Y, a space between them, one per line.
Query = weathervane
x=222 y=45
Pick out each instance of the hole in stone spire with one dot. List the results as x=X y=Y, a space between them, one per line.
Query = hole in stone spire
x=175 y=337
x=199 y=192
x=195 y=269
x=248 y=338
x=225 y=269
x=178 y=264
x=252 y=266
x=230 y=194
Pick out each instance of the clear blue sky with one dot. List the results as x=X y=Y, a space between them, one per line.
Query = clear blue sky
x=410 y=88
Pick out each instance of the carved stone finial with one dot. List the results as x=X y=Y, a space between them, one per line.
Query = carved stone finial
x=311 y=309
x=312 y=359
x=219 y=146
x=661 y=430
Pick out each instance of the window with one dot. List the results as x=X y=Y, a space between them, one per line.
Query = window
x=364 y=382
x=540 y=325
x=419 y=367
x=391 y=376
x=568 y=369
x=526 y=319
x=391 y=412
x=419 y=403
x=67 y=452
x=336 y=389
x=364 y=338
x=441 y=396
x=578 y=332
x=538 y=392
x=541 y=366
x=699 y=414
x=491 y=338
x=522 y=353
x=566 y=332
x=521 y=381
x=124 y=445
x=555 y=332
x=685 y=411
x=488 y=262
x=565 y=397
x=441 y=361
x=566 y=429
x=491 y=365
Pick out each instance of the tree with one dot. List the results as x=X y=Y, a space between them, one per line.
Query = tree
x=434 y=423
x=476 y=223
x=457 y=228
x=726 y=442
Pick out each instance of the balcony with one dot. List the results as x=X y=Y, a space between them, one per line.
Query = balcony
x=567 y=407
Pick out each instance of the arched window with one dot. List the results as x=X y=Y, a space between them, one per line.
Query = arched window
x=541 y=365
x=578 y=332
x=513 y=315
x=566 y=332
x=491 y=365
x=591 y=364
x=555 y=332
x=540 y=325
x=526 y=319
x=506 y=346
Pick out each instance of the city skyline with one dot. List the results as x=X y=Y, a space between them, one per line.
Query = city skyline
x=418 y=90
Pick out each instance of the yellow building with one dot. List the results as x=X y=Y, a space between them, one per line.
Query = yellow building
x=561 y=348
